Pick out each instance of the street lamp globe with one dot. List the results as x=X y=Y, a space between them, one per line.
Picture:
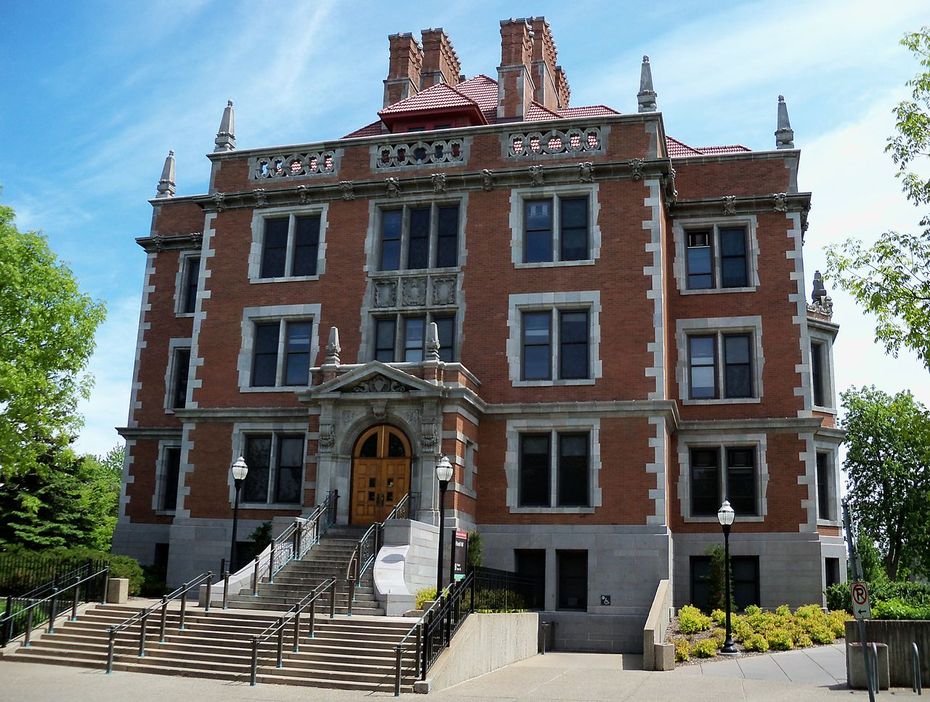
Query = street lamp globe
x=444 y=470
x=725 y=515
x=239 y=469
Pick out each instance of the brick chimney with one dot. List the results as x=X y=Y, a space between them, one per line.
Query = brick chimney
x=440 y=62
x=544 y=67
x=404 y=68
x=515 y=87
x=561 y=86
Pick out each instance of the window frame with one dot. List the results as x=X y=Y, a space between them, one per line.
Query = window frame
x=242 y=433
x=830 y=450
x=283 y=315
x=555 y=304
x=257 y=250
x=162 y=475
x=448 y=353
x=173 y=373
x=555 y=194
x=681 y=230
x=704 y=562
x=824 y=339
x=720 y=365
x=724 y=467
x=720 y=328
x=181 y=284
x=559 y=584
x=433 y=238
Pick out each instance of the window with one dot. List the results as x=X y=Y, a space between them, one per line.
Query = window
x=290 y=246
x=744 y=582
x=572 y=574
x=831 y=568
x=281 y=353
x=419 y=236
x=171 y=470
x=717 y=257
x=566 y=454
x=720 y=366
x=723 y=473
x=817 y=376
x=530 y=564
x=402 y=338
x=276 y=466
x=826 y=489
x=556 y=229
x=180 y=369
x=570 y=345
x=190 y=273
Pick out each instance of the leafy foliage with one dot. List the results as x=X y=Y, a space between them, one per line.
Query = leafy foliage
x=691 y=620
x=682 y=649
x=891 y=279
x=912 y=595
x=474 y=555
x=120 y=566
x=888 y=483
x=705 y=648
x=425 y=595
x=46 y=339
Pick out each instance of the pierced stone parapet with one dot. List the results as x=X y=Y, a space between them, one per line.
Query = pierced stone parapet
x=554 y=143
x=413 y=154
x=296 y=165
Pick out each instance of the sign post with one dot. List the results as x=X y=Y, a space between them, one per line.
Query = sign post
x=859 y=592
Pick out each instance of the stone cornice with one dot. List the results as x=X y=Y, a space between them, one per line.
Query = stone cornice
x=794 y=425
x=635 y=408
x=131 y=433
x=239 y=413
x=743 y=204
x=156 y=243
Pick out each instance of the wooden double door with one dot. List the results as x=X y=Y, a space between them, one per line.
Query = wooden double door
x=380 y=473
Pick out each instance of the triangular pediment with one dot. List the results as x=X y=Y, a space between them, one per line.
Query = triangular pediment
x=375 y=377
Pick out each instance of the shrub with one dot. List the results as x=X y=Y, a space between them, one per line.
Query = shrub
x=838 y=597
x=897 y=608
x=756 y=642
x=719 y=617
x=821 y=634
x=783 y=610
x=837 y=622
x=126 y=567
x=425 y=595
x=705 y=648
x=803 y=640
x=740 y=628
x=682 y=649
x=719 y=636
x=473 y=550
x=780 y=640
x=691 y=621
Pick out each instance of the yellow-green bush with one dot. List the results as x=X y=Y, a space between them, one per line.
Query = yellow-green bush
x=425 y=595
x=780 y=640
x=682 y=649
x=719 y=617
x=783 y=610
x=691 y=620
x=837 y=622
x=705 y=648
x=719 y=636
x=756 y=642
x=740 y=628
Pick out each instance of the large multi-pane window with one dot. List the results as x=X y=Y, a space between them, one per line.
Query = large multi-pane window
x=419 y=236
x=556 y=229
x=744 y=572
x=276 y=465
x=290 y=246
x=567 y=455
x=281 y=353
x=402 y=338
x=555 y=344
x=721 y=473
x=818 y=380
x=717 y=257
x=720 y=366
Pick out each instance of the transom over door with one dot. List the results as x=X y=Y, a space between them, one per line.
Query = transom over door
x=380 y=473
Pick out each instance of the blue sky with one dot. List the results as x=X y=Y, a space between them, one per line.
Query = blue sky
x=95 y=93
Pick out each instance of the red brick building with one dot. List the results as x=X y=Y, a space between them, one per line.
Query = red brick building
x=605 y=330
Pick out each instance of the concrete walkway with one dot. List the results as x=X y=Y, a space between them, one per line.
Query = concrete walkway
x=555 y=677
x=824 y=666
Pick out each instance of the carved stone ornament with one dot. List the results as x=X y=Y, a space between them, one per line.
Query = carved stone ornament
x=303 y=194
x=443 y=291
x=393 y=187
x=348 y=190
x=428 y=440
x=414 y=291
x=439 y=182
x=487 y=179
x=586 y=172
x=378 y=383
x=327 y=437
x=729 y=204
x=385 y=293
x=636 y=168
x=536 y=175
x=671 y=193
x=219 y=201
x=379 y=409
x=261 y=197
x=780 y=202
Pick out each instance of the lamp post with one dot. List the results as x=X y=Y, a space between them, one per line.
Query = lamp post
x=239 y=471
x=443 y=475
x=726 y=515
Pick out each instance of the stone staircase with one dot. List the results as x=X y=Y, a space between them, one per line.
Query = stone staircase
x=329 y=558
x=353 y=653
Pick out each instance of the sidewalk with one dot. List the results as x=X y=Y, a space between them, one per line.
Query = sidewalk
x=824 y=666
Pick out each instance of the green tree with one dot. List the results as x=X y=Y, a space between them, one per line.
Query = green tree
x=891 y=278
x=888 y=478
x=46 y=339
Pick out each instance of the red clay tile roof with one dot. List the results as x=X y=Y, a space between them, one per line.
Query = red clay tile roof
x=538 y=113
x=730 y=149
x=677 y=149
x=483 y=91
x=372 y=129
x=588 y=111
x=437 y=97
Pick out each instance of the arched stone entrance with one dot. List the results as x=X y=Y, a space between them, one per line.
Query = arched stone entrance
x=380 y=473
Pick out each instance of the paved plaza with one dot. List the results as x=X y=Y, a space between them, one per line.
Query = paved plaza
x=574 y=677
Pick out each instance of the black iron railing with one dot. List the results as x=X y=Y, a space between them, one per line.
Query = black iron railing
x=504 y=591
x=366 y=550
x=291 y=619
x=143 y=616
x=433 y=632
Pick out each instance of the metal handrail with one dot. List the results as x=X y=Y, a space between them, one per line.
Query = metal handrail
x=293 y=614
x=447 y=614
x=143 y=615
x=6 y=620
x=357 y=568
x=916 y=681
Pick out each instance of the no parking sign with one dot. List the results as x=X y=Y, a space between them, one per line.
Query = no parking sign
x=859 y=593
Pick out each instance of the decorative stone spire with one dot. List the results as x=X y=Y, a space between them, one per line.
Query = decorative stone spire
x=646 y=95
x=226 y=136
x=432 y=342
x=784 y=134
x=166 y=183
x=332 y=348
